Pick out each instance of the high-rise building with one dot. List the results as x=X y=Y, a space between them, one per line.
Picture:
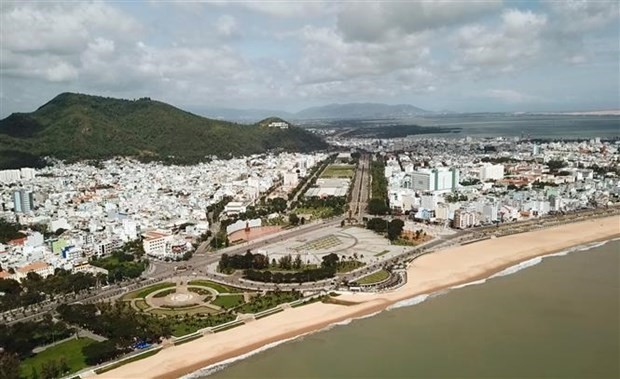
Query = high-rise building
x=23 y=201
x=441 y=179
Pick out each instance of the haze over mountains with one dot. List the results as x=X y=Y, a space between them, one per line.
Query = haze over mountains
x=330 y=111
x=76 y=126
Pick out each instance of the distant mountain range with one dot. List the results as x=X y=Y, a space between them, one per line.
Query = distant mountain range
x=331 y=111
x=76 y=126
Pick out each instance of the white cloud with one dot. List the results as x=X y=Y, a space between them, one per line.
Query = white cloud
x=380 y=20
x=577 y=16
x=286 y=9
x=289 y=54
x=226 y=26
x=514 y=43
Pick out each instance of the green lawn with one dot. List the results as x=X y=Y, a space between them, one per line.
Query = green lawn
x=338 y=171
x=166 y=292
x=144 y=292
x=216 y=286
x=228 y=301
x=376 y=277
x=70 y=350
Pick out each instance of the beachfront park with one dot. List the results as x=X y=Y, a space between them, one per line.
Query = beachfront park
x=204 y=305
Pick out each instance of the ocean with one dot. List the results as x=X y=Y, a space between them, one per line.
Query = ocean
x=556 y=319
x=525 y=125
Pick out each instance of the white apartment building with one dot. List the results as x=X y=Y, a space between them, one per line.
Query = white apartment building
x=156 y=243
x=465 y=218
x=490 y=171
x=234 y=207
x=438 y=179
x=9 y=176
x=290 y=179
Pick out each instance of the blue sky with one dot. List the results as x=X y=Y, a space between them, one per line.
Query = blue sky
x=465 y=56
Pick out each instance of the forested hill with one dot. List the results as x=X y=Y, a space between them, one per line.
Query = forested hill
x=75 y=126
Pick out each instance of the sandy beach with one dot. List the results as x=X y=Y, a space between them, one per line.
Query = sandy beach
x=430 y=273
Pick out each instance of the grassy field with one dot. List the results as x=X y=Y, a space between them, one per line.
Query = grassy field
x=376 y=277
x=144 y=292
x=228 y=301
x=216 y=286
x=70 y=350
x=338 y=171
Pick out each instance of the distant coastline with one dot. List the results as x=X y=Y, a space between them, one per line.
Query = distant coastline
x=449 y=268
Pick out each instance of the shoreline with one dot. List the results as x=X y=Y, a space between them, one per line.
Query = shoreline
x=427 y=275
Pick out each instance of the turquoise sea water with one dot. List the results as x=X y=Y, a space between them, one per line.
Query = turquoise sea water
x=558 y=319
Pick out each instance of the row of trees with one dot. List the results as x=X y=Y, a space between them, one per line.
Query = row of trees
x=303 y=181
x=309 y=275
x=230 y=263
x=34 y=288
x=378 y=203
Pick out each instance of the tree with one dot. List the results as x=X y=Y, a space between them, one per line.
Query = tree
x=286 y=262
x=342 y=224
x=293 y=219
x=377 y=206
x=9 y=365
x=50 y=369
x=99 y=352
x=297 y=262
x=330 y=261
x=395 y=228
x=377 y=224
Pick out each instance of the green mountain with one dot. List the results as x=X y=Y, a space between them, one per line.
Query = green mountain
x=75 y=126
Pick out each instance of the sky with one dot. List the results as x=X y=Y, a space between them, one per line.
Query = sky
x=463 y=56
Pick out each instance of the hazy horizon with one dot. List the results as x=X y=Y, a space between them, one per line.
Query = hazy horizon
x=480 y=56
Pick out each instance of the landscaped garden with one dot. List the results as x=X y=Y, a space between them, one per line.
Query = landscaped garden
x=375 y=277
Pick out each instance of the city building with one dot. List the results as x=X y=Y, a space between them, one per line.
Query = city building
x=156 y=243
x=439 y=179
x=465 y=219
x=23 y=201
x=490 y=171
